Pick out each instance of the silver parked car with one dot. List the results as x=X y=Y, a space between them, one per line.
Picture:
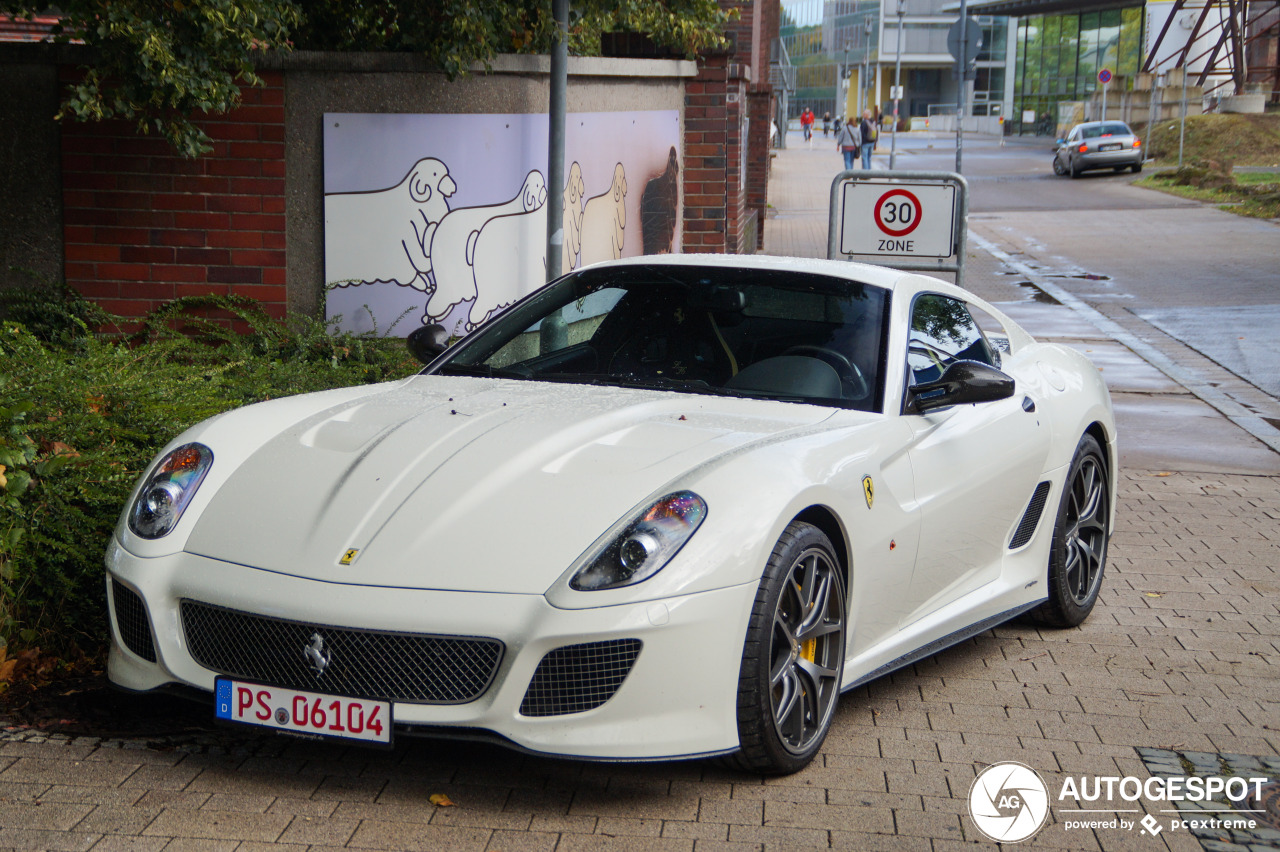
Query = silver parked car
x=1098 y=145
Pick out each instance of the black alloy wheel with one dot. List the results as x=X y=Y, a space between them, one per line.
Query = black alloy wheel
x=1078 y=555
x=793 y=657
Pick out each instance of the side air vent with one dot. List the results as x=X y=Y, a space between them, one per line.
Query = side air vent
x=132 y=621
x=1031 y=517
x=577 y=678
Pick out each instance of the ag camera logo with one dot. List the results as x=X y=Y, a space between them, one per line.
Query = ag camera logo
x=1009 y=802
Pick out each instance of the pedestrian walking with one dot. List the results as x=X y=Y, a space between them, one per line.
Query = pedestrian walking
x=867 y=130
x=848 y=140
x=826 y=124
x=806 y=124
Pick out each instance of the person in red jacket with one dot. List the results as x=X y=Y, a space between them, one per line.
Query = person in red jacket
x=806 y=123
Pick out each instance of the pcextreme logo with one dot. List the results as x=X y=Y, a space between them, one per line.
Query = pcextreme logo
x=1009 y=802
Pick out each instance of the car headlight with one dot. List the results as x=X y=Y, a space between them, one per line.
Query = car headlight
x=168 y=490
x=644 y=545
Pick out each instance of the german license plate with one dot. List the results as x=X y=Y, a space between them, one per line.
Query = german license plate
x=1112 y=147
x=305 y=713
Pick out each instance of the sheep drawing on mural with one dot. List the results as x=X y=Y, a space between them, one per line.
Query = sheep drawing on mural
x=454 y=249
x=510 y=261
x=604 y=221
x=574 y=189
x=385 y=235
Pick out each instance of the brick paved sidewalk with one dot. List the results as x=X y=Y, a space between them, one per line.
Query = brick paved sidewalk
x=1180 y=657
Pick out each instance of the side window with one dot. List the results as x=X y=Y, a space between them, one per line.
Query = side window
x=943 y=331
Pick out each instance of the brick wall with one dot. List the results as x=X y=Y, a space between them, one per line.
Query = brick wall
x=142 y=225
x=713 y=201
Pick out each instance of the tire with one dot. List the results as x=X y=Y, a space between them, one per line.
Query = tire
x=1118 y=169
x=1078 y=555
x=793 y=656
x=1075 y=172
x=1137 y=167
x=1058 y=168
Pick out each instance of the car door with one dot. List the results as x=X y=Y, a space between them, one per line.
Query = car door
x=975 y=466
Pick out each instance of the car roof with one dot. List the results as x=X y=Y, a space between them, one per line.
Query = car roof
x=866 y=273
x=1096 y=123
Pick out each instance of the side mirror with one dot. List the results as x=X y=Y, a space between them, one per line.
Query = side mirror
x=1060 y=142
x=426 y=343
x=962 y=383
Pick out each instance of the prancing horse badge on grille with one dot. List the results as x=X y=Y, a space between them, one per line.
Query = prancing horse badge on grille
x=317 y=654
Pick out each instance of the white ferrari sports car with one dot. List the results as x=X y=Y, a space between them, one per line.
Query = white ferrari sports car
x=663 y=507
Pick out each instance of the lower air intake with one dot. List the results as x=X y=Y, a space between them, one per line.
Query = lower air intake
x=132 y=621
x=577 y=678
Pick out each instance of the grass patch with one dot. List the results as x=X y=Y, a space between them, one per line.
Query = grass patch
x=1254 y=194
x=1246 y=140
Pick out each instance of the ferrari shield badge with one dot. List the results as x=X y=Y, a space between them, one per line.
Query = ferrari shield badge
x=868 y=490
x=348 y=557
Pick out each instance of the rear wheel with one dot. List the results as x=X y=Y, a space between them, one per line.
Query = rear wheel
x=789 y=681
x=1078 y=556
x=1137 y=167
x=1075 y=171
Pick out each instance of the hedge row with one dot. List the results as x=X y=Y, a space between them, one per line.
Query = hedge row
x=82 y=413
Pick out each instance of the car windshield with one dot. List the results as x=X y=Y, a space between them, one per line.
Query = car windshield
x=1112 y=129
x=770 y=334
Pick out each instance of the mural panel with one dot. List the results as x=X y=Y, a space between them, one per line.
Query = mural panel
x=443 y=218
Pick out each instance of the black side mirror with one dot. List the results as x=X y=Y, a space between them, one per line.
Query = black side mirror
x=962 y=383
x=426 y=343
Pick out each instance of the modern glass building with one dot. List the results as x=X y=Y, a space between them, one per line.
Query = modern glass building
x=1059 y=58
x=844 y=54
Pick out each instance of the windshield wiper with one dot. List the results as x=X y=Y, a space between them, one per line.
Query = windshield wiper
x=482 y=370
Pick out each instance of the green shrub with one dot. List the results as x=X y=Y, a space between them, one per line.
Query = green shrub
x=81 y=415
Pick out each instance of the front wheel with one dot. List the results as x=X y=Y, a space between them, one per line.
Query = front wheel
x=789 y=681
x=1057 y=167
x=1078 y=556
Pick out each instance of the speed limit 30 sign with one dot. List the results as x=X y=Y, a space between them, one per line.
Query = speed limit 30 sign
x=897 y=219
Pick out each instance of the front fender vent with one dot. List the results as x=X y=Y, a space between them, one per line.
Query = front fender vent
x=577 y=678
x=1031 y=517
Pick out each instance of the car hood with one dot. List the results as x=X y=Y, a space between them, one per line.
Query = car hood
x=469 y=484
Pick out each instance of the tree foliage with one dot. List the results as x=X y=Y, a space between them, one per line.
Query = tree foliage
x=163 y=63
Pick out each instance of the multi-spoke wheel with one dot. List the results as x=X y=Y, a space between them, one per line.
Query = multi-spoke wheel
x=1079 y=555
x=789 y=682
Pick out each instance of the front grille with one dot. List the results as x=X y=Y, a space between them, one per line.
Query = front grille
x=1031 y=517
x=132 y=621
x=407 y=667
x=577 y=678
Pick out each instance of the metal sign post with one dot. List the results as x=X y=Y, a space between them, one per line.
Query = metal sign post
x=912 y=220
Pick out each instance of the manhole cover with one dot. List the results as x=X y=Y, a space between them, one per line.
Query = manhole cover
x=1267 y=800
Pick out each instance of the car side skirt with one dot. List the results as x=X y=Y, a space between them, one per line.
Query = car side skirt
x=944 y=642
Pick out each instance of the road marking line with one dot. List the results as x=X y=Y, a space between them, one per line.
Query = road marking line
x=1221 y=402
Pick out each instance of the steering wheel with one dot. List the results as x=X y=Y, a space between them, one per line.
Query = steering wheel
x=851 y=378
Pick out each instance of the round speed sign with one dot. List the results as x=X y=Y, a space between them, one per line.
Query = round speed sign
x=897 y=213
